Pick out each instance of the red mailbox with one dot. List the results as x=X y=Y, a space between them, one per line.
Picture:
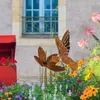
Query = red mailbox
x=8 y=74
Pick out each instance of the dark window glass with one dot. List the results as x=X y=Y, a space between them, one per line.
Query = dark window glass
x=46 y=4
x=28 y=27
x=47 y=15
x=28 y=4
x=47 y=26
x=28 y=15
x=55 y=4
x=35 y=27
x=55 y=26
x=45 y=21
x=35 y=4
x=55 y=15
x=35 y=15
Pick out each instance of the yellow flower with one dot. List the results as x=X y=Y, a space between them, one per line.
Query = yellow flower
x=66 y=68
x=10 y=93
x=83 y=97
x=89 y=92
x=8 y=98
x=54 y=78
x=87 y=77
x=73 y=73
x=79 y=66
x=94 y=91
x=89 y=88
x=6 y=93
x=52 y=73
x=80 y=63
x=61 y=76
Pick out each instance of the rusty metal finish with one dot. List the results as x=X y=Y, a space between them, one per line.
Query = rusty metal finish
x=63 y=47
x=49 y=62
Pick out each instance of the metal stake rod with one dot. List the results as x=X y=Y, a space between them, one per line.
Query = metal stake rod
x=45 y=82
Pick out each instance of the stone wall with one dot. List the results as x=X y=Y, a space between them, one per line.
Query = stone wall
x=27 y=47
x=5 y=16
x=27 y=67
x=78 y=19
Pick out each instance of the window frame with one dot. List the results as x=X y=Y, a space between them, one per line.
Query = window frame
x=35 y=35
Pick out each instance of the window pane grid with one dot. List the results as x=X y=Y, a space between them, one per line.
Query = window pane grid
x=35 y=22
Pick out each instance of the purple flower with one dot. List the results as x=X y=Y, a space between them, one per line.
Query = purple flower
x=25 y=86
x=11 y=87
x=67 y=80
x=3 y=87
x=1 y=90
x=17 y=96
x=20 y=93
x=25 y=97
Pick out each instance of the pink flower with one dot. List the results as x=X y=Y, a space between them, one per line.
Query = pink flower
x=96 y=17
x=95 y=58
x=90 y=31
x=82 y=43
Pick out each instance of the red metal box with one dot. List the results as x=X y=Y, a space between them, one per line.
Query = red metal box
x=8 y=74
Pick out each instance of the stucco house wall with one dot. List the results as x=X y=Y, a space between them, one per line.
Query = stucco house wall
x=78 y=19
x=5 y=17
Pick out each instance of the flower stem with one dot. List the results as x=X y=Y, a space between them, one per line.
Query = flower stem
x=96 y=38
x=96 y=80
x=88 y=49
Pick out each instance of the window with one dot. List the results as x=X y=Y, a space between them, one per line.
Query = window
x=40 y=17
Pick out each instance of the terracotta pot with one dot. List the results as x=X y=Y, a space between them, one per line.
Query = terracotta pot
x=8 y=75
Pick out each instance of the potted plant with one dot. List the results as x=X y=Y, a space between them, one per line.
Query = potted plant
x=8 y=73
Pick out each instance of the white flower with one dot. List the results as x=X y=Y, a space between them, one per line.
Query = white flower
x=69 y=93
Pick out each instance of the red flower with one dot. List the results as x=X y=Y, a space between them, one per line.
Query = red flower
x=7 y=62
x=4 y=59
x=1 y=62
x=1 y=98
x=78 y=93
x=72 y=90
x=79 y=81
x=13 y=61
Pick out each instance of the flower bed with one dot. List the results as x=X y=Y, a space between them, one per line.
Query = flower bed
x=14 y=92
x=8 y=74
